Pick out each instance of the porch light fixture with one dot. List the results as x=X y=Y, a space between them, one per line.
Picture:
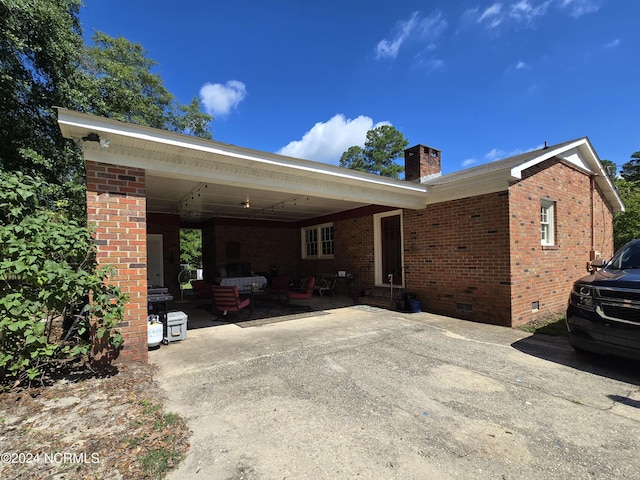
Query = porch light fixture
x=246 y=203
x=94 y=137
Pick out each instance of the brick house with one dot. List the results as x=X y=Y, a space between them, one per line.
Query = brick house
x=500 y=243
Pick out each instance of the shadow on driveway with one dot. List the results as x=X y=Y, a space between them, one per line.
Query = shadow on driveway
x=558 y=350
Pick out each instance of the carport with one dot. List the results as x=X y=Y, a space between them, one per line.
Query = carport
x=143 y=181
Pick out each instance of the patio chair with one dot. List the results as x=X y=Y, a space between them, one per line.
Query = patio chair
x=325 y=285
x=279 y=286
x=201 y=288
x=306 y=291
x=227 y=299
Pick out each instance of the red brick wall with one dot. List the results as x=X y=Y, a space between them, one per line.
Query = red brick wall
x=116 y=208
x=545 y=274
x=354 y=243
x=261 y=245
x=457 y=252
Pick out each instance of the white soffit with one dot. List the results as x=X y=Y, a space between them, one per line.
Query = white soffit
x=176 y=155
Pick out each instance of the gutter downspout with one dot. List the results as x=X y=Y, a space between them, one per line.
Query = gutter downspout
x=592 y=253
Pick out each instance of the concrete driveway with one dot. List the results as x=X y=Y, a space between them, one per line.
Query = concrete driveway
x=360 y=392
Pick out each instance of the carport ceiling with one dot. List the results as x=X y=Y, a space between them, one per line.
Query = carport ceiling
x=202 y=179
x=198 y=201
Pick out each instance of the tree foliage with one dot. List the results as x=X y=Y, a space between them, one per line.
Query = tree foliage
x=631 y=169
x=48 y=271
x=45 y=63
x=626 y=225
x=124 y=86
x=191 y=247
x=47 y=261
x=39 y=51
x=383 y=146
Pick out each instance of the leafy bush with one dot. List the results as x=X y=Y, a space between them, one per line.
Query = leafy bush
x=48 y=272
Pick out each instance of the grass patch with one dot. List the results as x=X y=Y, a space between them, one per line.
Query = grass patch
x=554 y=326
x=163 y=452
x=158 y=462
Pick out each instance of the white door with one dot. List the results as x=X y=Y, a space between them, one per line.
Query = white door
x=155 y=268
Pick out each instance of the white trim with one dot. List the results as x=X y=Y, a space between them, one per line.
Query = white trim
x=550 y=207
x=303 y=242
x=377 y=247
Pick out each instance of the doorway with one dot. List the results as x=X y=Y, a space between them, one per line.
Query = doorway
x=155 y=266
x=388 y=248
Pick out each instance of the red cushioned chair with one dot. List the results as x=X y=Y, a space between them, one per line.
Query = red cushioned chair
x=306 y=291
x=278 y=286
x=227 y=299
x=201 y=289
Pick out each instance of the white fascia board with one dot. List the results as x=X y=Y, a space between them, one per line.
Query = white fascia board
x=582 y=155
x=516 y=172
x=75 y=125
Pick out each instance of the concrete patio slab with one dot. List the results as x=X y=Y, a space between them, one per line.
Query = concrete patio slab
x=360 y=392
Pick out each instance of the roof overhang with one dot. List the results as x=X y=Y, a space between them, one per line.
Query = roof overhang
x=582 y=155
x=200 y=178
x=497 y=177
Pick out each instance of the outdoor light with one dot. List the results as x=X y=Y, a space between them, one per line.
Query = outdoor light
x=92 y=137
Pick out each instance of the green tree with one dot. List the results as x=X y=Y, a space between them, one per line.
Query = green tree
x=40 y=46
x=383 y=146
x=631 y=169
x=45 y=63
x=611 y=168
x=123 y=86
x=191 y=247
x=626 y=225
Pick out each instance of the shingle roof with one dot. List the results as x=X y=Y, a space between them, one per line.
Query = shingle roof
x=504 y=164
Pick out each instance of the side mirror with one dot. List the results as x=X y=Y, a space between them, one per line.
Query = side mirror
x=597 y=263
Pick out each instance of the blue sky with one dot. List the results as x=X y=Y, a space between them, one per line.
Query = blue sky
x=478 y=80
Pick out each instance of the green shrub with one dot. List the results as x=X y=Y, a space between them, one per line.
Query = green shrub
x=48 y=271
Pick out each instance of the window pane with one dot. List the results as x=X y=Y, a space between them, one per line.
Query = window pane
x=311 y=237
x=326 y=234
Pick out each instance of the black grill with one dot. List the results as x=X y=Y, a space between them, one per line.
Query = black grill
x=629 y=314
x=632 y=295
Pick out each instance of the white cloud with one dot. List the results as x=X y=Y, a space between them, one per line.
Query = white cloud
x=525 y=13
x=417 y=28
x=327 y=141
x=492 y=15
x=578 y=8
x=220 y=99
x=497 y=154
x=613 y=43
x=520 y=65
x=469 y=161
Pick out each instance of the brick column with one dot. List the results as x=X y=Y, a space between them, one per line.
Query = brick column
x=116 y=209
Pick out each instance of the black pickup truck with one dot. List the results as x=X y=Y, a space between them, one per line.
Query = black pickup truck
x=603 y=315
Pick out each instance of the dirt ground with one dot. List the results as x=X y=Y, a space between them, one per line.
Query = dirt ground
x=97 y=428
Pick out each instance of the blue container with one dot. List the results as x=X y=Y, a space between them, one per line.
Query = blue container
x=415 y=306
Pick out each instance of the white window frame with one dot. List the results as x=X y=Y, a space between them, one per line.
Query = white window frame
x=321 y=242
x=547 y=222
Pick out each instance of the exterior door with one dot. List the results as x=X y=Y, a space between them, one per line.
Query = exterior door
x=155 y=267
x=391 y=237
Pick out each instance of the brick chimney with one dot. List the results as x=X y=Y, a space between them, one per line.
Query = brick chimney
x=421 y=163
